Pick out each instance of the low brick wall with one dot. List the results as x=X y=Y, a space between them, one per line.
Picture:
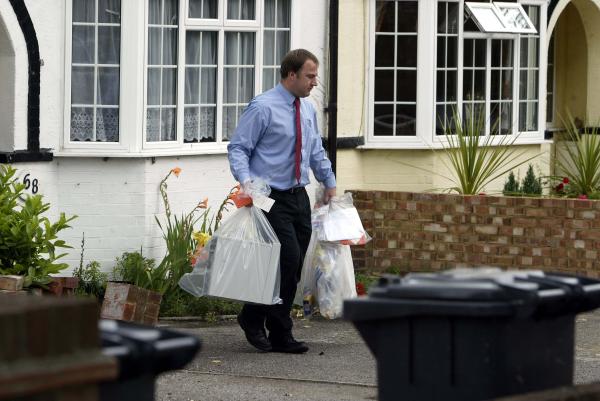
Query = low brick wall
x=428 y=232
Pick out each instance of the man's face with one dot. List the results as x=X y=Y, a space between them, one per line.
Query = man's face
x=301 y=83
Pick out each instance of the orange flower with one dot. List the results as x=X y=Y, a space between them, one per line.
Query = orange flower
x=176 y=171
x=203 y=204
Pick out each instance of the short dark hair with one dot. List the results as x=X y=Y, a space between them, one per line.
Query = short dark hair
x=294 y=60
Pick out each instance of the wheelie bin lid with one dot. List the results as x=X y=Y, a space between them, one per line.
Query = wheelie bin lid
x=142 y=350
x=477 y=292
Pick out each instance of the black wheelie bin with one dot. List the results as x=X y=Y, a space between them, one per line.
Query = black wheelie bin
x=472 y=334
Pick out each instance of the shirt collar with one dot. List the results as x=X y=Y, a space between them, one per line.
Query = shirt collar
x=289 y=98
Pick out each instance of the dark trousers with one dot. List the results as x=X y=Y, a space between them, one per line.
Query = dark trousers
x=290 y=219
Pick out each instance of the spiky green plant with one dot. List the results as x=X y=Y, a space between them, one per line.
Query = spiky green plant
x=579 y=158
x=476 y=160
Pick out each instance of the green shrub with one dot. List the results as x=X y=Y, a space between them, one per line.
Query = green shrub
x=28 y=240
x=531 y=185
x=511 y=186
x=136 y=269
x=92 y=281
x=180 y=303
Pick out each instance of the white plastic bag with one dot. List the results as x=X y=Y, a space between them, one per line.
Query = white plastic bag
x=240 y=262
x=340 y=222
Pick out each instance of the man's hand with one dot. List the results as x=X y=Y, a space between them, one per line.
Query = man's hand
x=329 y=193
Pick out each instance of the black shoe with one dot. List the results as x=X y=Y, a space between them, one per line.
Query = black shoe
x=256 y=337
x=288 y=344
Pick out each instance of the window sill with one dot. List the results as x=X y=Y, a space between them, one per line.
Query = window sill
x=422 y=145
x=212 y=150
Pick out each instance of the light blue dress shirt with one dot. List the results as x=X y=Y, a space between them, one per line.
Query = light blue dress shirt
x=263 y=144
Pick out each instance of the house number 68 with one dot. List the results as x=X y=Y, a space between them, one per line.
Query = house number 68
x=33 y=184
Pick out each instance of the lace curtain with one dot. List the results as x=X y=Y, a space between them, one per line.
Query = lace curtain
x=96 y=48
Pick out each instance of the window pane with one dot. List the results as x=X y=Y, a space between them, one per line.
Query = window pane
x=207 y=124
x=269 y=48
x=407 y=16
x=82 y=123
x=283 y=13
x=229 y=121
x=528 y=116
x=268 y=78
x=246 y=92
x=191 y=124
x=154 y=46
x=230 y=85
x=208 y=83
x=109 y=11
x=84 y=10
x=206 y=9
x=383 y=45
x=170 y=12
x=107 y=125
x=108 y=86
x=452 y=52
x=169 y=88
x=168 y=121
x=82 y=85
x=406 y=51
x=240 y=9
x=441 y=86
x=231 y=48
x=406 y=86
x=209 y=48
x=406 y=117
x=451 y=86
x=109 y=44
x=384 y=85
x=153 y=125
x=501 y=118
x=154 y=85
x=83 y=44
x=270 y=10
x=233 y=9
x=385 y=17
x=384 y=120
x=169 y=46
x=192 y=85
x=283 y=45
x=192 y=47
x=155 y=11
x=247 y=48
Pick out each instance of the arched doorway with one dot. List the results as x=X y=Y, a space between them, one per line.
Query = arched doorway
x=7 y=90
x=573 y=52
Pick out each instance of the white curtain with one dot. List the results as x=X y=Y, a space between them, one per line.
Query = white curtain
x=103 y=80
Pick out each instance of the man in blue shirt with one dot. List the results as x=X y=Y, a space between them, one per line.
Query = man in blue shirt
x=277 y=139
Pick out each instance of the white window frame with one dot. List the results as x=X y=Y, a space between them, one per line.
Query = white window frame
x=426 y=137
x=220 y=25
x=127 y=9
x=133 y=85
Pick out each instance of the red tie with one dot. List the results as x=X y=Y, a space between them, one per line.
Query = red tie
x=298 y=139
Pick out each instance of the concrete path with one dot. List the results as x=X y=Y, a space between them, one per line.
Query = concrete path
x=338 y=366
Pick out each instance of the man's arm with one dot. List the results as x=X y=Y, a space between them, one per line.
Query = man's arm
x=251 y=127
x=320 y=164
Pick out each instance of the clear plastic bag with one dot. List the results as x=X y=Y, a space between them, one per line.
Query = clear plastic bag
x=240 y=262
x=327 y=278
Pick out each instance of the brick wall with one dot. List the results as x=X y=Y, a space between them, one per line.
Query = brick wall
x=428 y=232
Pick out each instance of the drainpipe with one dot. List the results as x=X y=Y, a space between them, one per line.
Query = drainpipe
x=334 y=7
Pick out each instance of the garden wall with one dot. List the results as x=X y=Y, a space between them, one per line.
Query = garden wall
x=429 y=232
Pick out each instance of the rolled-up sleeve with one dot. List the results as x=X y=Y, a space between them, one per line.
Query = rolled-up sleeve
x=319 y=163
x=250 y=129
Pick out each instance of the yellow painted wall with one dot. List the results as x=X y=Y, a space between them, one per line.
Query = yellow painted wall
x=403 y=170
x=571 y=64
x=353 y=54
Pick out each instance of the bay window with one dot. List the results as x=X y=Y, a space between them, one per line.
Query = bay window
x=167 y=74
x=473 y=58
